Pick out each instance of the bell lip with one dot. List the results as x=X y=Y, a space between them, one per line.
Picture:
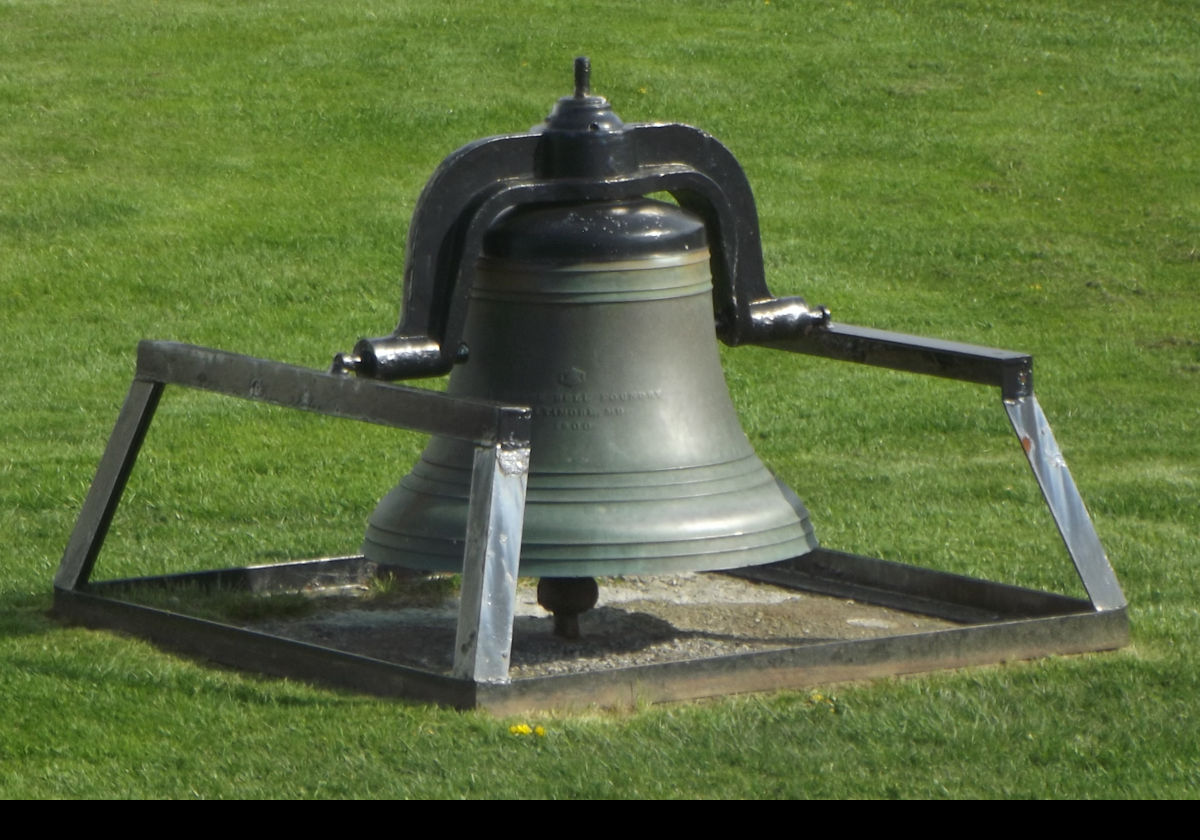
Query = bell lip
x=532 y=566
x=764 y=522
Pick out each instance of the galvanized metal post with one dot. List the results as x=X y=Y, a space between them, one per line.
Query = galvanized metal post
x=1066 y=505
x=492 y=556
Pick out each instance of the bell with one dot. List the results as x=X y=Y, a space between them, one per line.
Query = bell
x=593 y=305
x=599 y=317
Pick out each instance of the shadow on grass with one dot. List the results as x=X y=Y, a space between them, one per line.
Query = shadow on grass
x=26 y=614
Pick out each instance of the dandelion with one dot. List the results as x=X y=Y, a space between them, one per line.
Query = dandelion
x=817 y=699
x=526 y=729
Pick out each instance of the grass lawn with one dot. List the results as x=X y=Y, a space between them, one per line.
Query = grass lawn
x=1020 y=175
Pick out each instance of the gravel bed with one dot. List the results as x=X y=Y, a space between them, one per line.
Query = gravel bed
x=638 y=620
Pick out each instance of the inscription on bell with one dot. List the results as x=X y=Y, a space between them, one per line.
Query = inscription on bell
x=594 y=397
x=572 y=411
x=632 y=396
x=565 y=411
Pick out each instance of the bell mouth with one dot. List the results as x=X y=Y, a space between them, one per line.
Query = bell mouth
x=702 y=518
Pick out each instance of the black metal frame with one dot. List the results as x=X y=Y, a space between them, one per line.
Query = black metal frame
x=1001 y=622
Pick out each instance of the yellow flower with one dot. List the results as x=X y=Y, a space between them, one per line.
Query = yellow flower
x=539 y=731
x=520 y=729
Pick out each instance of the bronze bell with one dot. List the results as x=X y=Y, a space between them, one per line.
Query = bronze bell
x=541 y=273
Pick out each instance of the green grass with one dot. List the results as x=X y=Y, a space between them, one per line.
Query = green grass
x=1020 y=175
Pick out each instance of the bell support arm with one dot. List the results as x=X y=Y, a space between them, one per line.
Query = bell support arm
x=1012 y=373
x=479 y=183
x=1008 y=370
